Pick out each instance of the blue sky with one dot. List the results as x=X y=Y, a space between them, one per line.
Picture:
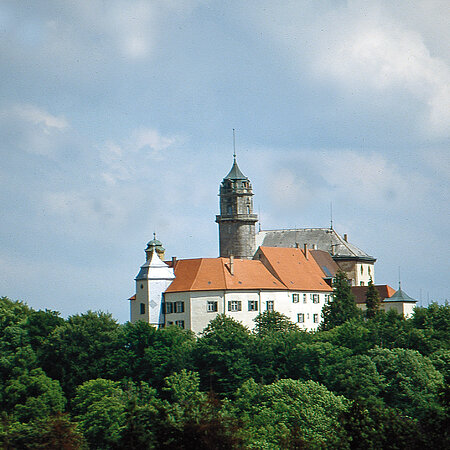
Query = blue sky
x=116 y=121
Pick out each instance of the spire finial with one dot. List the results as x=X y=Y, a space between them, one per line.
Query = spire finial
x=399 y=279
x=234 y=145
x=331 y=215
x=154 y=235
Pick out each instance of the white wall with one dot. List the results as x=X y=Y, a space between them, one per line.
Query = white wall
x=196 y=316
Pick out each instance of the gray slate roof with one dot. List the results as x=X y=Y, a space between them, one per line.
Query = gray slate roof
x=400 y=296
x=326 y=239
x=235 y=173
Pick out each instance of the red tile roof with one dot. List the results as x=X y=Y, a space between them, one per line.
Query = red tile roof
x=211 y=274
x=275 y=269
x=384 y=291
x=292 y=267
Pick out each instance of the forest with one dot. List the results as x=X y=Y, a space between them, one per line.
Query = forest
x=364 y=381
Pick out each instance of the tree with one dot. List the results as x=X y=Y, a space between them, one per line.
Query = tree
x=273 y=322
x=99 y=409
x=191 y=419
x=144 y=353
x=222 y=355
x=411 y=382
x=32 y=395
x=80 y=349
x=342 y=306
x=374 y=426
x=372 y=300
x=290 y=414
x=271 y=354
x=59 y=432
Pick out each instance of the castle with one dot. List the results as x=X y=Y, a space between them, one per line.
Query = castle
x=289 y=271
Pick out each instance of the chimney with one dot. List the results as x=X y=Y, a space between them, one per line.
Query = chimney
x=305 y=250
x=232 y=264
x=174 y=261
x=345 y=237
x=297 y=245
x=314 y=247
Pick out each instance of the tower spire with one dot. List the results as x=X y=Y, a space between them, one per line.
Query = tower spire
x=234 y=145
x=331 y=215
x=236 y=219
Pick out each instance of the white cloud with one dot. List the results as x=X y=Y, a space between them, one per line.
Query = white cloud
x=368 y=50
x=117 y=183
x=128 y=159
x=368 y=179
x=38 y=116
x=301 y=179
x=147 y=137
x=32 y=129
x=382 y=58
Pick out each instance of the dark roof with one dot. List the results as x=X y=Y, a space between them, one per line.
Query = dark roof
x=326 y=239
x=325 y=262
x=235 y=173
x=384 y=291
x=401 y=296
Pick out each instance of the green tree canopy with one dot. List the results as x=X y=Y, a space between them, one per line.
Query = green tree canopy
x=80 y=349
x=290 y=414
x=372 y=300
x=222 y=355
x=341 y=307
x=410 y=381
x=273 y=322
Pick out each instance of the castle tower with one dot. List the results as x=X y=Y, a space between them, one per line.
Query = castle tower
x=152 y=280
x=236 y=220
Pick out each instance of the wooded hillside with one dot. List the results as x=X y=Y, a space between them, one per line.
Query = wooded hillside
x=89 y=382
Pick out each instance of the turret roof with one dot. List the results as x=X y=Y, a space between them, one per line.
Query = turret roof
x=401 y=296
x=235 y=173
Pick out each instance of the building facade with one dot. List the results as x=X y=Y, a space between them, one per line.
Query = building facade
x=289 y=271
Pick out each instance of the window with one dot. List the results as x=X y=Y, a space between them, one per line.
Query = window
x=169 y=323
x=304 y=298
x=252 y=305
x=300 y=318
x=169 y=308
x=142 y=308
x=315 y=298
x=295 y=298
x=316 y=318
x=361 y=283
x=234 y=305
x=179 y=307
x=269 y=305
x=362 y=269
x=327 y=298
x=211 y=306
x=179 y=323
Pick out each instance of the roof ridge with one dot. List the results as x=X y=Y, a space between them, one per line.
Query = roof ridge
x=344 y=242
x=297 y=229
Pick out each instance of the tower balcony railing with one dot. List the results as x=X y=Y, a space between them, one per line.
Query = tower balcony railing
x=237 y=216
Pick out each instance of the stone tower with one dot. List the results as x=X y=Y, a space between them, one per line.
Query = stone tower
x=236 y=220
